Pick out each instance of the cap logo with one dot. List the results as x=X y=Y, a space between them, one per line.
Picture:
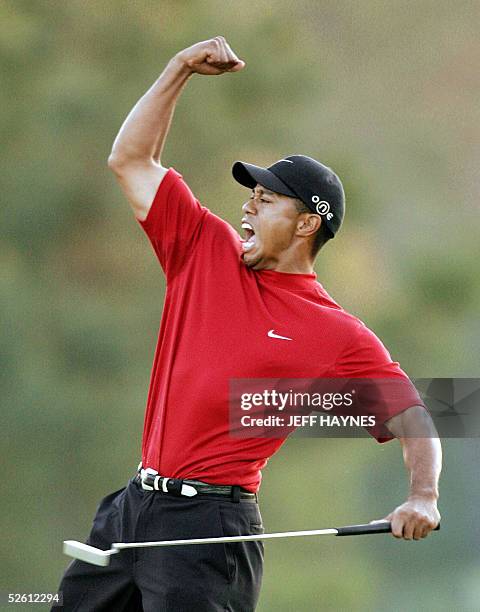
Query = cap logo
x=322 y=207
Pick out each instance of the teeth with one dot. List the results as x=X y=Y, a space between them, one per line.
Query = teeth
x=249 y=241
x=246 y=246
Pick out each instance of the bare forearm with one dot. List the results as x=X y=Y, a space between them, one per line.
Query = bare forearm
x=422 y=454
x=422 y=451
x=423 y=460
x=144 y=131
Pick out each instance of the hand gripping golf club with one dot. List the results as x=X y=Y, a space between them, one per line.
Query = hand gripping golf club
x=96 y=556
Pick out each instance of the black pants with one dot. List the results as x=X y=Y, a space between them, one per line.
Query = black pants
x=195 y=578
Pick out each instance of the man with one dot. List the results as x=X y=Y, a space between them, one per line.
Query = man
x=233 y=310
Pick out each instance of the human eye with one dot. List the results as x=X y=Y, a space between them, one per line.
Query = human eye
x=260 y=197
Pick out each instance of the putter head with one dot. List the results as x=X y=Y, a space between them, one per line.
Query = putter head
x=87 y=553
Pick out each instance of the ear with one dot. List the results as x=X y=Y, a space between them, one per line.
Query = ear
x=308 y=225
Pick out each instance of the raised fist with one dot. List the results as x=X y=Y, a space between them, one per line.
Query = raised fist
x=210 y=57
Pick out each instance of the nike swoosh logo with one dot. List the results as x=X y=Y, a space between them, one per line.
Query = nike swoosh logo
x=272 y=334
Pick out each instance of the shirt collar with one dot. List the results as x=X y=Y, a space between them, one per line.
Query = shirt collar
x=287 y=280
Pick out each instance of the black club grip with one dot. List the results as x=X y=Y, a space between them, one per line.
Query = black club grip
x=369 y=528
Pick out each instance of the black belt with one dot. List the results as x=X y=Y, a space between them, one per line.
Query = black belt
x=150 y=480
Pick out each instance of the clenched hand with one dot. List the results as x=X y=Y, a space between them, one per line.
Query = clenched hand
x=210 y=57
x=414 y=519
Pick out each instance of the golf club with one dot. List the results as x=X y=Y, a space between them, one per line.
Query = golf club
x=96 y=556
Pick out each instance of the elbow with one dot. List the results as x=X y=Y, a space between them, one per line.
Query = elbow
x=115 y=162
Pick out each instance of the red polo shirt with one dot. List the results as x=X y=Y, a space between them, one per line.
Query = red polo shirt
x=215 y=324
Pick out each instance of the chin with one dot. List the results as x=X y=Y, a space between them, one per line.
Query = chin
x=251 y=262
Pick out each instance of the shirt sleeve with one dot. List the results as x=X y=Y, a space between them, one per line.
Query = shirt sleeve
x=174 y=222
x=385 y=389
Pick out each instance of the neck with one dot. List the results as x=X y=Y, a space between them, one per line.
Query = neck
x=295 y=259
x=291 y=268
x=289 y=264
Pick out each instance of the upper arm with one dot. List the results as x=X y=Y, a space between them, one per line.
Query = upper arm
x=384 y=389
x=139 y=181
x=166 y=209
x=413 y=422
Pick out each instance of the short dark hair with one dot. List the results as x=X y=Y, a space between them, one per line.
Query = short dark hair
x=322 y=236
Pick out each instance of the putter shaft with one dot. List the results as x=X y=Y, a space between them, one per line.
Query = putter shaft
x=226 y=539
x=90 y=554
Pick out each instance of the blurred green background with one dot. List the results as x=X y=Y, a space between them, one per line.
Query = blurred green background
x=384 y=92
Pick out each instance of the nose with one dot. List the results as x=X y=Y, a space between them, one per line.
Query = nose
x=249 y=207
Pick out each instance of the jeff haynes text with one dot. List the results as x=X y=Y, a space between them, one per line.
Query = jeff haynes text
x=320 y=420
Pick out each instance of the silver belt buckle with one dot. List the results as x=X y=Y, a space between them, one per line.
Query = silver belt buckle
x=161 y=483
x=146 y=473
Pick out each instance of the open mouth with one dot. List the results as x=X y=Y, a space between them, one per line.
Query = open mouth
x=249 y=234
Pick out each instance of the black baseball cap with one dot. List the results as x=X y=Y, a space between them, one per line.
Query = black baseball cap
x=302 y=177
